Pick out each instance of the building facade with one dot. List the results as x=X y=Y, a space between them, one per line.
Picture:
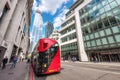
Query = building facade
x=14 y=27
x=97 y=29
x=49 y=29
x=100 y=21
x=69 y=45
x=55 y=35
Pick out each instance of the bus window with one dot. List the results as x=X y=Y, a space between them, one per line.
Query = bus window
x=45 y=45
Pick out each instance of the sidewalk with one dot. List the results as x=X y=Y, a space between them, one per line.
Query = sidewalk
x=117 y=64
x=20 y=72
x=102 y=63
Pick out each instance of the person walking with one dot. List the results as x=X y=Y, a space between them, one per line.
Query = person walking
x=4 y=61
x=14 y=61
x=28 y=60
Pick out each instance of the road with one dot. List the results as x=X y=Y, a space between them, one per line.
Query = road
x=80 y=71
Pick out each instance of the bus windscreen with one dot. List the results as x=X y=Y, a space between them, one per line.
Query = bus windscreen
x=45 y=58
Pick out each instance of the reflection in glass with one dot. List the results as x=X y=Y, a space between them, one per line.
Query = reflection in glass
x=110 y=39
x=93 y=43
x=115 y=29
x=98 y=42
x=108 y=31
x=91 y=36
x=104 y=41
x=96 y=35
x=88 y=44
x=117 y=37
x=102 y=33
x=104 y=2
x=113 y=4
x=107 y=8
x=118 y=1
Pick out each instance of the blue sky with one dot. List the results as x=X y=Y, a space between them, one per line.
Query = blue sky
x=53 y=10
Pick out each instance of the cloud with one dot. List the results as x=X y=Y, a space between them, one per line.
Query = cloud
x=51 y=6
x=60 y=18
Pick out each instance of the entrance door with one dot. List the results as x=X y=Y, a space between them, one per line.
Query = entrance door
x=115 y=57
x=13 y=52
x=2 y=53
x=105 y=57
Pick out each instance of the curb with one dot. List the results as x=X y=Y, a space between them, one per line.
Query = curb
x=27 y=75
x=32 y=75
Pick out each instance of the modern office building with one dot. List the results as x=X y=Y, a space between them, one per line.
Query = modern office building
x=98 y=28
x=37 y=28
x=69 y=44
x=100 y=21
x=49 y=29
x=15 y=16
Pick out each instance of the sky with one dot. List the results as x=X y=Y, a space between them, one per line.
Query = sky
x=52 y=10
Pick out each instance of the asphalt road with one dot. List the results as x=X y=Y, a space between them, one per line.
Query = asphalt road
x=80 y=71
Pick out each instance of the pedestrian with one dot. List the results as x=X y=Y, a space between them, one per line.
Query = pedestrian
x=92 y=59
x=28 y=60
x=95 y=59
x=74 y=59
x=4 y=62
x=14 y=61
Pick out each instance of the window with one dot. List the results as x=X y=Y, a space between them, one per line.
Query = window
x=110 y=39
x=88 y=44
x=115 y=29
x=116 y=11
x=108 y=14
x=107 y=8
x=117 y=37
x=87 y=37
x=99 y=6
x=106 y=22
x=104 y=2
x=85 y=44
x=91 y=36
x=118 y=1
x=98 y=42
x=101 y=10
x=93 y=43
x=110 y=0
x=10 y=0
x=96 y=35
x=84 y=38
x=17 y=34
x=25 y=28
x=2 y=13
x=100 y=25
x=102 y=33
x=112 y=20
x=104 y=40
x=108 y=31
x=45 y=45
x=113 y=4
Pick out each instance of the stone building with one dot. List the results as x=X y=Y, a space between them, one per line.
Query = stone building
x=15 y=16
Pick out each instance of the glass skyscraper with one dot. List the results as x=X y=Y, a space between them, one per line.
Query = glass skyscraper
x=49 y=29
x=100 y=21
x=37 y=28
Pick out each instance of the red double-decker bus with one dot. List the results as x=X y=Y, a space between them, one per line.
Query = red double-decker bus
x=46 y=57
